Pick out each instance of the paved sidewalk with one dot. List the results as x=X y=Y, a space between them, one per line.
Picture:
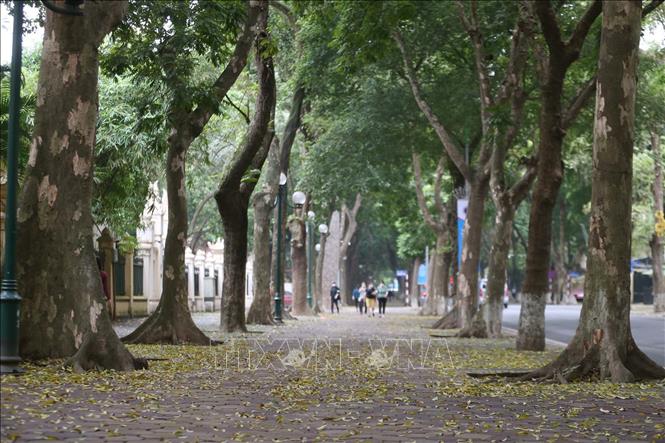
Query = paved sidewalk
x=336 y=377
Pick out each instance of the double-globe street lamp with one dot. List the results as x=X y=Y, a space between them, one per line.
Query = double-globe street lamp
x=278 y=262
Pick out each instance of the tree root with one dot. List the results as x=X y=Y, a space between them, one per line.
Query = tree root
x=259 y=317
x=104 y=351
x=477 y=328
x=158 y=329
x=572 y=365
x=448 y=321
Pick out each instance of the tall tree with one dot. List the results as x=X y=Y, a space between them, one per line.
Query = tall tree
x=442 y=257
x=603 y=341
x=172 y=322
x=64 y=311
x=554 y=120
x=656 y=241
x=260 y=311
x=350 y=226
x=477 y=178
x=240 y=177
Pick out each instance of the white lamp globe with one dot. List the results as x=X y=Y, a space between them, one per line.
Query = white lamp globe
x=299 y=198
x=323 y=228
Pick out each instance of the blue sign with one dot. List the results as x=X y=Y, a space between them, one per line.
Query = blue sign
x=462 y=205
x=422 y=275
x=401 y=273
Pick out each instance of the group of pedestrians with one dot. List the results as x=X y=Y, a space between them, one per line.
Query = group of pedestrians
x=366 y=297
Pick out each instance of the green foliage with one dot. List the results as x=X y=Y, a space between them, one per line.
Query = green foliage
x=166 y=42
x=130 y=147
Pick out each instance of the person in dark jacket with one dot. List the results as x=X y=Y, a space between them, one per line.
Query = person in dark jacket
x=334 y=297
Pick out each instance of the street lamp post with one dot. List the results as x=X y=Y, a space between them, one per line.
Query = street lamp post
x=278 y=262
x=10 y=301
x=310 y=255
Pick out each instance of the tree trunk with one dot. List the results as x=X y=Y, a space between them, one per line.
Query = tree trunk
x=172 y=321
x=498 y=265
x=299 y=265
x=657 y=240
x=603 y=342
x=468 y=278
x=413 y=288
x=348 y=235
x=318 y=276
x=63 y=311
x=237 y=184
x=559 y=287
x=438 y=291
x=531 y=330
x=235 y=224
x=260 y=312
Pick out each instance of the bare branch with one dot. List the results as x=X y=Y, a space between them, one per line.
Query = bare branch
x=198 y=210
x=520 y=188
x=649 y=8
x=422 y=204
x=473 y=30
x=575 y=42
x=286 y=12
x=243 y=113
x=200 y=116
x=571 y=113
x=449 y=144
x=438 y=201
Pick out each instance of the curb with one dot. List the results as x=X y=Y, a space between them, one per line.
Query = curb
x=548 y=341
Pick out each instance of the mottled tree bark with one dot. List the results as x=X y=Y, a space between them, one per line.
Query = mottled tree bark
x=172 y=321
x=437 y=288
x=603 y=342
x=552 y=126
x=64 y=312
x=238 y=182
x=478 y=177
x=260 y=312
x=348 y=236
x=656 y=242
x=318 y=276
x=299 y=264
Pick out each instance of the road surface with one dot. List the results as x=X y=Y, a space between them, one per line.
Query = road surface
x=561 y=322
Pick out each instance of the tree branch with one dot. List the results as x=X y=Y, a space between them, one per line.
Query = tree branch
x=550 y=27
x=200 y=116
x=243 y=113
x=198 y=210
x=473 y=30
x=649 y=8
x=576 y=40
x=246 y=154
x=445 y=138
x=438 y=201
x=573 y=110
x=520 y=188
x=420 y=196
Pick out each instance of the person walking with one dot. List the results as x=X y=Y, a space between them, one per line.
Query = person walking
x=362 y=298
x=356 y=296
x=371 y=299
x=334 y=297
x=382 y=296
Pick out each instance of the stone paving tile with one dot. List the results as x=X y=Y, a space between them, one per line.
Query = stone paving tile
x=312 y=403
